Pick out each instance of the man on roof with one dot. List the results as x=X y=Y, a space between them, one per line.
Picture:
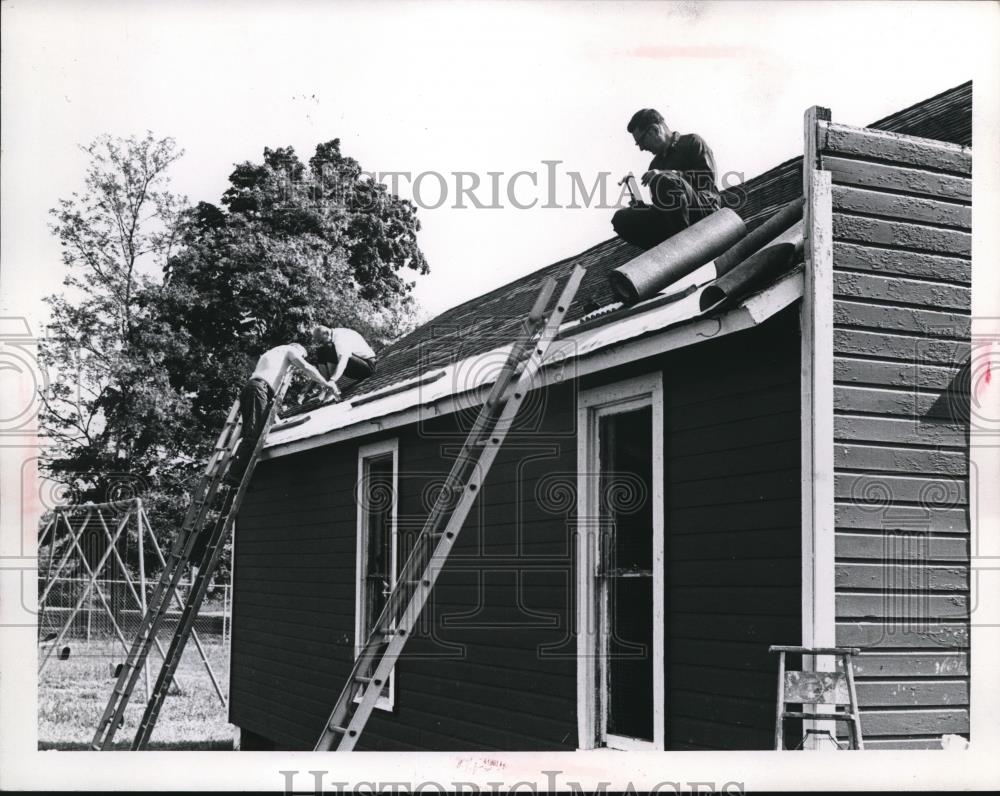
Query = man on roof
x=258 y=393
x=343 y=352
x=681 y=180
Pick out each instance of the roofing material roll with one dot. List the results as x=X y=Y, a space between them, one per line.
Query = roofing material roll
x=757 y=271
x=677 y=256
x=755 y=240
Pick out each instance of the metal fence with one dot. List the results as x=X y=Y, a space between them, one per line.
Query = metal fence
x=93 y=594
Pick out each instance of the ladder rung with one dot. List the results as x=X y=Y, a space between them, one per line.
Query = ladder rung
x=362 y=678
x=337 y=728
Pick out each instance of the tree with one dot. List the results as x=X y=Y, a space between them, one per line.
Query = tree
x=291 y=246
x=168 y=307
x=111 y=407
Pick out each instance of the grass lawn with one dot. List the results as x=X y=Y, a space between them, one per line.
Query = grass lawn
x=73 y=693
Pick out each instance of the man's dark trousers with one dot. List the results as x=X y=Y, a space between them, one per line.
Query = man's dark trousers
x=676 y=205
x=357 y=367
x=255 y=402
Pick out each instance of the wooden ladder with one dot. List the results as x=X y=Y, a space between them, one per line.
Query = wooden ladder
x=392 y=630
x=196 y=522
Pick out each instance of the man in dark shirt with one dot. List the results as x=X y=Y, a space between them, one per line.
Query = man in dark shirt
x=681 y=180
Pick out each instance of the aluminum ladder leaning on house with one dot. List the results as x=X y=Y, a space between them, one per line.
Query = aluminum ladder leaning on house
x=433 y=545
x=197 y=521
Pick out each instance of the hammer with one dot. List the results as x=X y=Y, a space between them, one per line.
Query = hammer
x=633 y=189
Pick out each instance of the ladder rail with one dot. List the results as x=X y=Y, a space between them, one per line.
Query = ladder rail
x=184 y=629
x=418 y=590
x=155 y=614
x=416 y=561
x=209 y=561
x=149 y=628
x=180 y=604
x=166 y=588
x=445 y=499
x=416 y=603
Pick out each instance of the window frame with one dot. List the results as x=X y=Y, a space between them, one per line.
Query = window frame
x=367 y=452
x=592 y=698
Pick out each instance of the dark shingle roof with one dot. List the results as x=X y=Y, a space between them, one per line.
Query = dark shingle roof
x=492 y=320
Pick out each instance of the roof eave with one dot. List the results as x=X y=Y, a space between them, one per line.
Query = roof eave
x=579 y=355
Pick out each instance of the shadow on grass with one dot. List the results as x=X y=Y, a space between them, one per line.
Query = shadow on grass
x=170 y=746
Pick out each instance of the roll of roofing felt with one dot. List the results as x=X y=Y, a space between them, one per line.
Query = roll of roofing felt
x=755 y=240
x=677 y=256
x=757 y=271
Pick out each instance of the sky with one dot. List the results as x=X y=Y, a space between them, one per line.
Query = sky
x=443 y=88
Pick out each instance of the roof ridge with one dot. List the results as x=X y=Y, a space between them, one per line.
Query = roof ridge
x=956 y=90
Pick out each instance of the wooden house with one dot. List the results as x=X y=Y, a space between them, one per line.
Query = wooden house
x=791 y=468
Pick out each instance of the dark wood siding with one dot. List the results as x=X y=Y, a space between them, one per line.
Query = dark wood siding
x=902 y=280
x=493 y=665
x=733 y=518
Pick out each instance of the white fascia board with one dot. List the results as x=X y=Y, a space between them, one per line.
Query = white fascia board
x=638 y=337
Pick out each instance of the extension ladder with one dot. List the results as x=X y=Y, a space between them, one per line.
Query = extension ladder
x=196 y=522
x=391 y=631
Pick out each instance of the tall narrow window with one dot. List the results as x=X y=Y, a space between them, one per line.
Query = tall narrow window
x=620 y=684
x=377 y=543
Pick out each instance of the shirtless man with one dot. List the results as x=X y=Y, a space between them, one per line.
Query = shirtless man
x=257 y=394
x=343 y=352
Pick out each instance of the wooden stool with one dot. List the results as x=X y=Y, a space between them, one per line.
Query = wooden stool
x=818 y=688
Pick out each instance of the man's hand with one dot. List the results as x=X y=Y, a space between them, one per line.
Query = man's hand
x=333 y=389
x=650 y=175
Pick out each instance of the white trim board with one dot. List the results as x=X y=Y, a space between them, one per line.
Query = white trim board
x=371 y=450
x=637 y=392
x=638 y=337
x=817 y=466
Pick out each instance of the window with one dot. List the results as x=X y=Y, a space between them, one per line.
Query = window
x=377 y=564
x=620 y=619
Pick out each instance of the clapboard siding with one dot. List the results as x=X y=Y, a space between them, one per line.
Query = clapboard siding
x=881 y=145
x=901 y=289
x=901 y=235
x=863 y=201
x=879 y=176
x=919 y=350
x=733 y=512
x=916 y=547
x=916 y=265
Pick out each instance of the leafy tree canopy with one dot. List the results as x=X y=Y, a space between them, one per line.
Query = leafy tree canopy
x=168 y=306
